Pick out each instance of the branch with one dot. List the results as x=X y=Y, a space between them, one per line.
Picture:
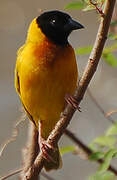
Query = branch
x=31 y=151
x=93 y=61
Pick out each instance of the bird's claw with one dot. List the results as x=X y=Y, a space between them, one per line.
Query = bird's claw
x=72 y=101
x=46 y=149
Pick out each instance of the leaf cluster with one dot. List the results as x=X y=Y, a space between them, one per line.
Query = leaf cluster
x=105 y=147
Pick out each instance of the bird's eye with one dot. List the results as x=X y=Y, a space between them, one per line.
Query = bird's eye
x=53 y=21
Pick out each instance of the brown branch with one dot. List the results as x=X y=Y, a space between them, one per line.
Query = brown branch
x=32 y=149
x=93 y=61
x=87 y=150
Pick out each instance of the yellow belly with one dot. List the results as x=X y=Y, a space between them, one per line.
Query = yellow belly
x=43 y=84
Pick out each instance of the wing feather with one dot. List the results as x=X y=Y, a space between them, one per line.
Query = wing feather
x=17 y=81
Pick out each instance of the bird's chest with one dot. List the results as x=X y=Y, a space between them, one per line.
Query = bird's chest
x=43 y=73
x=44 y=67
x=45 y=78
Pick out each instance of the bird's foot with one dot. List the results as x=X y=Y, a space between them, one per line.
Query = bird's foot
x=72 y=101
x=46 y=149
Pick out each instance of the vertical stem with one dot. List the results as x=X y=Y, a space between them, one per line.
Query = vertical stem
x=32 y=149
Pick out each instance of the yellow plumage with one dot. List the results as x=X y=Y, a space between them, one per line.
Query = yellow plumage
x=44 y=74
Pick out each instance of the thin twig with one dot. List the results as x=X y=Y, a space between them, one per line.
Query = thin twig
x=20 y=170
x=108 y=114
x=11 y=174
x=90 y=69
x=13 y=136
x=99 y=107
x=99 y=9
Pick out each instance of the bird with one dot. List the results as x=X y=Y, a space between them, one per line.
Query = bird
x=46 y=70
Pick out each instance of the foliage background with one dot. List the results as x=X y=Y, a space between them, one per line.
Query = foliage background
x=15 y=17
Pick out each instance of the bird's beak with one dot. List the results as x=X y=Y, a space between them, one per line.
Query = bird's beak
x=73 y=25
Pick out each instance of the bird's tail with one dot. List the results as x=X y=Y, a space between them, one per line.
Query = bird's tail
x=57 y=161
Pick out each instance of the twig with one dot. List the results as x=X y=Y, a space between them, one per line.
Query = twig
x=99 y=107
x=13 y=136
x=99 y=9
x=93 y=61
x=87 y=150
x=108 y=114
x=11 y=174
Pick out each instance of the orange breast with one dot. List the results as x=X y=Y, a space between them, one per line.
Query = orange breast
x=47 y=73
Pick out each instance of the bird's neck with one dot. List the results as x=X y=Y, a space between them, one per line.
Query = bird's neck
x=42 y=46
x=35 y=34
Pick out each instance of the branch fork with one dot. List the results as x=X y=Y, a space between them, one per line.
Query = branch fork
x=98 y=8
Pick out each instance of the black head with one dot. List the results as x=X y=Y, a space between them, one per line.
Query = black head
x=57 y=26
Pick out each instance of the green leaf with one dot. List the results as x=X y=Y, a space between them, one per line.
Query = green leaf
x=96 y=155
x=110 y=59
x=107 y=141
x=112 y=130
x=93 y=147
x=67 y=149
x=75 y=5
x=83 y=50
x=103 y=176
x=107 y=158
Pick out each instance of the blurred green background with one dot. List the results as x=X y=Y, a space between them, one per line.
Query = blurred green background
x=15 y=17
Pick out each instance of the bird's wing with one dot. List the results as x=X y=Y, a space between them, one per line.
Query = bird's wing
x=17 y=81
x=18 y=62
